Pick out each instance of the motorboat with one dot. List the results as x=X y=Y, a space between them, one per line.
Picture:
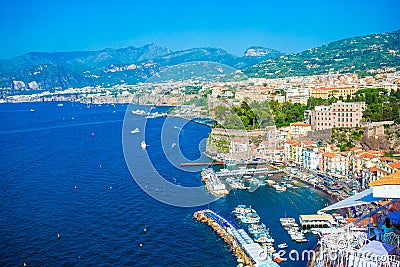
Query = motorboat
x=250 y=218
x=282 y=246
x=255 y=229
x=136 y=130
x=143 y=145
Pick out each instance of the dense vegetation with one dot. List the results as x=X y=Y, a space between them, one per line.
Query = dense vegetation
x=348 y=55
x=345 y=137
x=285 y=113
x=382 y=105
x=246 y=116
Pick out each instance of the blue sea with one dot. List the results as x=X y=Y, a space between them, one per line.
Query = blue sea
x=63 y=172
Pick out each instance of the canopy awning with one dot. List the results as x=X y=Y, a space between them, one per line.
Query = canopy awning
x=364 y=197
x=379 y=248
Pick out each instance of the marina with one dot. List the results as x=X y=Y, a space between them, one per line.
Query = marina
x=248 y=252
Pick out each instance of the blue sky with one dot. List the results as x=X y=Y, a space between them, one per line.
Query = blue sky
x=289 y=26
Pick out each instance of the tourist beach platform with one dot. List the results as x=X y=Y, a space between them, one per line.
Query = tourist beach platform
x=243 y=246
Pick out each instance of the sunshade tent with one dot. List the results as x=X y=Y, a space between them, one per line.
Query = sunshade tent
x=361 y=198
x=378 y=248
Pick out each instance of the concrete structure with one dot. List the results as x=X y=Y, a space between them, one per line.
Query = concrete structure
x=297 y=129
x=333 y=163
x=339 y=114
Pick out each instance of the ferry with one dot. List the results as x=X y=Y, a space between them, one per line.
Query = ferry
x=242 y=210
x=143 y=145
x=136 y=130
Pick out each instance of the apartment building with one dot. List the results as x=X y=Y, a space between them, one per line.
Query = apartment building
x=339 y=114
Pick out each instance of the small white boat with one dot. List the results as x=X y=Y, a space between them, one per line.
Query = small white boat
x=282 y=246
x=173 y=145
x=60 y=105
x=143 y=145
x=136 y=130
x=32 y=110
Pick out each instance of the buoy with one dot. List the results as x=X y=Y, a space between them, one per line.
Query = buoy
x=144 y=230
x=140 y=245
x=24 y=264
x=110 y=187
x=92 y=134
x=58 y=235
x=100 y=166
x=75 y=187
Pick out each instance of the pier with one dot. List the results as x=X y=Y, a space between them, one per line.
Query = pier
x=185 y=164
x=244 y=248
x=323 y=220
x=242 y=172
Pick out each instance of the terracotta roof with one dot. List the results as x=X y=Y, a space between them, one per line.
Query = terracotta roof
x=373 y=169
x=394 y=165
x=308 y=142
x=300 y=124
x=330 y=155
x=387 y=159
x=369 y=155
x=392 y=179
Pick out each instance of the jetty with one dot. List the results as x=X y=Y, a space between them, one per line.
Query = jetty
x=242 y=172
x=243 y=247
x=185 y=164
x=323 y=220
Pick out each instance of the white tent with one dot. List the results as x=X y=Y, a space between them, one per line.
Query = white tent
x=378 y=248
x=361 y=198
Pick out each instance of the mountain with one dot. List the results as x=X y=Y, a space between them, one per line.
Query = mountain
x=60 y=70
x=259 y=51
x=347 y=55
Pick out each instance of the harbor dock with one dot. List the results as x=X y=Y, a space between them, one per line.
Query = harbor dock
x=244 y=248
x=323 y=220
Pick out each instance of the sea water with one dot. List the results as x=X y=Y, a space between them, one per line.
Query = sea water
x=68 y=198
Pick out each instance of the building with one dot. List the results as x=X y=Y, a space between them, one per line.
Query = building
x=339 y=114
x=297 y=129
x=337 y=92
x=333 y=163
x=298 y=95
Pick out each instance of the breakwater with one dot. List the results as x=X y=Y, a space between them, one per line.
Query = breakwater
x=242 y=246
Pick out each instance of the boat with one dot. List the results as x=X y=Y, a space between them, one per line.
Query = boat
x=32 y=110
x=270 y=182
x=282 y=246
x=256 y=229
x=306 y=186
x=138 y=112
x=136 y=130
x=143 y=145
x=242 y=210
x=279 y=188
x=276 y=257
x=289 y=185
x=263 y=238
x=250 y=218
x=60 y=105
x=229 y=162
x=173 y=145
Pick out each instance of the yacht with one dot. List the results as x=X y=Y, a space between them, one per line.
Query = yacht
x=250 y=218
x=136 y=130
x=143 y=145
x=282 y=246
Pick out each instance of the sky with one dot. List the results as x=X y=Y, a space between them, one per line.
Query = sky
x=288 y=26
